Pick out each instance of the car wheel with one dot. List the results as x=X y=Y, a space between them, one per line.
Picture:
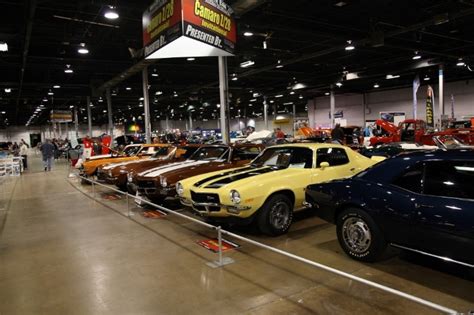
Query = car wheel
x=276 y=215
x=359 y=236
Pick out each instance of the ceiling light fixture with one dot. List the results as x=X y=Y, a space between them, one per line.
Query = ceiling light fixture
x=68 y=69
x=279 y=95
x=391 y=76
x=82 y=49
x=301 y=97
x=235 y=79
x=128 y=88
x=159 y=93
x=426 y=78
x=299 y=86
x=292 y=92
x=460 y=63
x=111 y=13
x=339 y=84
x=247 y=64
x=327 y=93
x=265 y=44
x=376 y=86
x=416 y=56
x=190 y=59
x=8 y=90
x=248 y=34
x=50 y=93
x=279 y=65
x=56 y=86
x=3 y=46
x=350 y=46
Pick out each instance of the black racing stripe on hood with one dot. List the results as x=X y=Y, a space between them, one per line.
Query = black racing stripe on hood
x=208 y=179
x=231 y=179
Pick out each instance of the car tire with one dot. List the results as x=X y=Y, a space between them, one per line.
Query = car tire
x=275 y=216
x=359 y=235
x=365 y=242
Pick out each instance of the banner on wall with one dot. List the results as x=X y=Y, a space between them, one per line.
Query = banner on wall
x=61 y=116
x=393 y=117
x=429 y=107
x=188 y=28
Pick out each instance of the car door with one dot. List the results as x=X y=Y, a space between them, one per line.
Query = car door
x=445 y=214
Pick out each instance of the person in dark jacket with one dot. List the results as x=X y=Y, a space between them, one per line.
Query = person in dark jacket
x=47 y=150
x=337 y=134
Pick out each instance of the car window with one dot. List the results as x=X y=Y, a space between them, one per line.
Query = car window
x=411 y=179
x=245 y=153
x=132 y=150
x=210 y=153
x=450 y=179
x=334 y=156
x=285 y=157
x=161 y=151
x=186 y=152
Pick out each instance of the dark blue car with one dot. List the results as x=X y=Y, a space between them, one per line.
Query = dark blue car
x=422 y=202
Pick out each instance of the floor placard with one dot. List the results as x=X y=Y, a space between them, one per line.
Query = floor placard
x=213 y=245
x=153 y=214
x=111 y=196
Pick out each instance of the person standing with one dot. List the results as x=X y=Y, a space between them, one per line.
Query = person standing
x=24 y=154
x=47 y=150
x=337 y=134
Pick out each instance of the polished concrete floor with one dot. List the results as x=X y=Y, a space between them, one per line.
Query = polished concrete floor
x=64 y=253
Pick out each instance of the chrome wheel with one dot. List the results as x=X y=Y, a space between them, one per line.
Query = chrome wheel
x=280 y=215
x=356 y=234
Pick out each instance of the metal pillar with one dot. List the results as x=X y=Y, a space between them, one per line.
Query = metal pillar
x=265 y=112
x=146 y=105
x=224 y=98
x=67 y=130
x=294 y=119
x=167 y=123
x=60 y=130
x=441 y=94
x=76 y=122
x=109 y=113
x=89 y=115
x=333 y=106
x=190 y=122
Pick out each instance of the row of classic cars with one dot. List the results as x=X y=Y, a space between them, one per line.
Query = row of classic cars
x=420 y=201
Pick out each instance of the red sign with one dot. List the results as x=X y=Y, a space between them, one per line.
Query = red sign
x=205 y=21
x=153 y=214
x=213 y=245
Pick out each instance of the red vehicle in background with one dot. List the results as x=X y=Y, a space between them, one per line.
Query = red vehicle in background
x=411 y=130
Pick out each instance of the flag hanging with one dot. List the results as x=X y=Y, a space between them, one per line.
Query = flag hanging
x=429 y=107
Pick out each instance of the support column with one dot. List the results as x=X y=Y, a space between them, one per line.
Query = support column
x=167 y=123
x=60 y=130
x=441 y=94
x=294 y=119
x=76 y=122
x=146 y=105
x=190 y=121
x=109 y=113
x=67 y=130
x=89 y=115
x=224 y=99
x=333 y=106
x=265 y=112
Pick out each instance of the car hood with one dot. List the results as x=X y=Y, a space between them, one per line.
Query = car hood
x=120 y=164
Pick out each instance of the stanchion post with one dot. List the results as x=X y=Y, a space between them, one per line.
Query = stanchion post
x=219 y=240
x=93 y=190
x=128 y=206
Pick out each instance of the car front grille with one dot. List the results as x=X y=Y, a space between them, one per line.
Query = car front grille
x=205 y=198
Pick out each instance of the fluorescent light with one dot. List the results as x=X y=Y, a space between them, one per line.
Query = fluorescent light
x=390 y=76
x=301 y=97
x=349 y=47
x=299 y=86
x=140 y=105
x=288 y=103
x=158 y=93
x=56 y=86
x=154 y=74
x=3 y=113
x=460 y=63
x=3 y=46
x=248 y=34
x=279 y=95
x=191 y=59
x=339 y=84
x=376 y=85
x=265 y=44
x=416 y=57
x=8 y=90
x=111 y=14
x=50 y=93
x=68 y=69
x=235 y=79
x=141 y=99
x=292 y=92
x=279 y=65
x=426 y=78
x=253 y=100
x=83 y=51
x=128 y=88
x=247 y=64
x=327 y=93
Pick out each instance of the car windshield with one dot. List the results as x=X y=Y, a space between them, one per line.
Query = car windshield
x=448 y=142
x=161 y=152
x=210 y=153
x=285 y=157
x=131 y=150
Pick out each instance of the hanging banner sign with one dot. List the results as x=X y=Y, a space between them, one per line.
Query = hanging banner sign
x=61 y=116
x=429 y=107
x=188 y=28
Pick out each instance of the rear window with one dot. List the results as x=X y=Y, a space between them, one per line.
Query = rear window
x=450 y=179
x=334 y=156
x=245 y=153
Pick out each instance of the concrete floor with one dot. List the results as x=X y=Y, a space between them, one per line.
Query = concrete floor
x=63 y=253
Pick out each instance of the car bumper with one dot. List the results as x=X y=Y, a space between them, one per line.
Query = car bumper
x=157 y=193
x=209 y=209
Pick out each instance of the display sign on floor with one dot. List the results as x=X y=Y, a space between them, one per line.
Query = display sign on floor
x=213 y=245
x=188 y=28
x=111 y=196
x=153 y=214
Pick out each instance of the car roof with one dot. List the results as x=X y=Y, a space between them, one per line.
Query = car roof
x=392 y=167
x=311 y=145
x=147 y=145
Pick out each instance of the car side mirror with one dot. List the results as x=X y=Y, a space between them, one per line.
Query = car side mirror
x=323 y=165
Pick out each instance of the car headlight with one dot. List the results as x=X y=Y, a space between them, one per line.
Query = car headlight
x=129 y=177
x=163 y=181
x=179 y=189
x=234 y=196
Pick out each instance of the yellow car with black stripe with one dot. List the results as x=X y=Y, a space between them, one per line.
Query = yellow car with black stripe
x=272 y=187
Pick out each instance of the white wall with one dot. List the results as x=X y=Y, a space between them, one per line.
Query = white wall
x=400 y=100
